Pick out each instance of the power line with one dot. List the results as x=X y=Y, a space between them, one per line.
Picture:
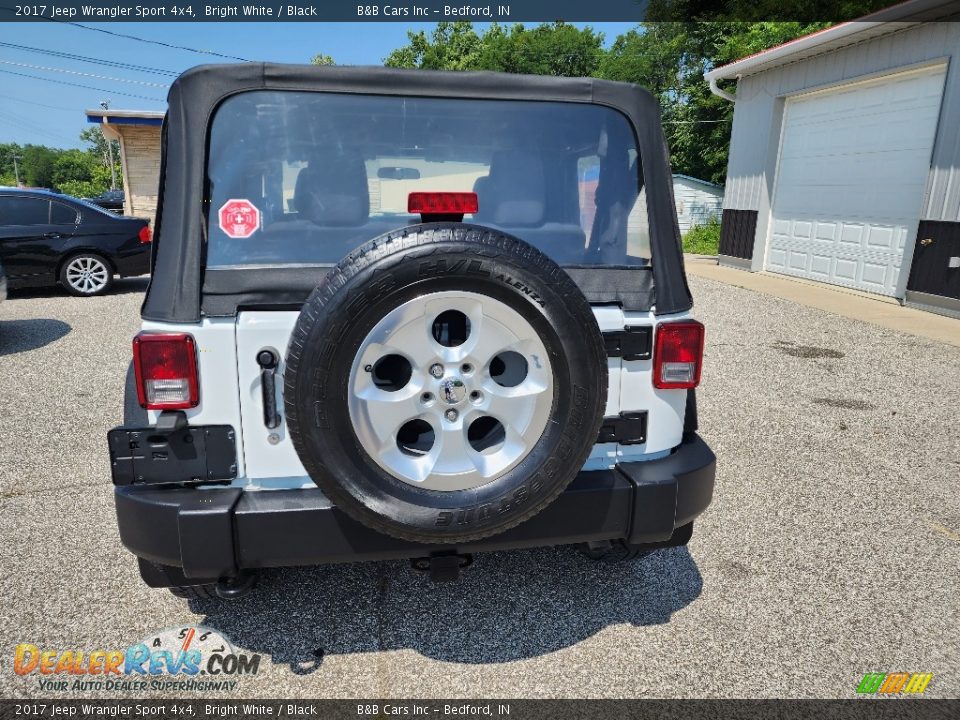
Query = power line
x=86 y=87
x=77 y=72
x=95 y=61
x=22 y=123
x=31 y=102
x=151 y=42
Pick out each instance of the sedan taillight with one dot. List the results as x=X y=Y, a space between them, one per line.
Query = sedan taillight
x=166 y=371
x=678 y=355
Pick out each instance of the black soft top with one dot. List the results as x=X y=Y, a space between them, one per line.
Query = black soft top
x=180 y=289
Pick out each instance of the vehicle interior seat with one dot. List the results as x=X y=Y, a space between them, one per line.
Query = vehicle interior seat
x=332 y=200
x=513 y=197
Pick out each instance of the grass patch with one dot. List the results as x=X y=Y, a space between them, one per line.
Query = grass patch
x=703 y=239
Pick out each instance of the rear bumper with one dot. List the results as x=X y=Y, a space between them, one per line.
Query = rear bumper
x=133 y=262
x=209 y=534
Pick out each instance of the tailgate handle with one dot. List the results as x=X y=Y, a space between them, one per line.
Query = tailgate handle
x=268 y=361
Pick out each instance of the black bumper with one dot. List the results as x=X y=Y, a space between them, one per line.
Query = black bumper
x=131 y=263
x=213 y=533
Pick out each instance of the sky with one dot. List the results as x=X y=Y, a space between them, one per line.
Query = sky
x=51 y=113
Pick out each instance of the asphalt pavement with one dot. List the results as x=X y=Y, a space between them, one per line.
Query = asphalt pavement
x=831 y=549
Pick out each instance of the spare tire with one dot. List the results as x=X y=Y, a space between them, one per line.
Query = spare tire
x=444 y=383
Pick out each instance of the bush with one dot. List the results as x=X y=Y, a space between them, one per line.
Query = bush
x=703 y=239
x=81 y=188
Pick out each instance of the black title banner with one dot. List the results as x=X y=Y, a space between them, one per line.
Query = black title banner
x=505 y=11
x=329 y=10
x=863 y=709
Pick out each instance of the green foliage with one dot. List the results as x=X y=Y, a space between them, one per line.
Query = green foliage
x=83 y=173
x=71 y=166
x=81 y=188
x=37 y=165
x=547 y=49
x=451 y=46
x=321 y=59
x=703 y=239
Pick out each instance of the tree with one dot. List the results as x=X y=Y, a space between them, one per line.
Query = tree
x=99 y=145
x=321 y=59
x=8 y=174
x=451 y=46
x=548 y=49
x=37 y=166
x=670 y=58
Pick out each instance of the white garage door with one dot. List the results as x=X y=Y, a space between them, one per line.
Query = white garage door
x=853 y=167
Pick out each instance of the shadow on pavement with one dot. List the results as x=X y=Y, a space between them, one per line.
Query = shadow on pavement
x=17 y=336
x=507 y=606
x=121 y=286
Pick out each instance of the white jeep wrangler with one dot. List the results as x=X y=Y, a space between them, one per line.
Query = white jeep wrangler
x=408 y=314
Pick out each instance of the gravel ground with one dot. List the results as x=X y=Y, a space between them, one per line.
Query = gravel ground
x=831 y=548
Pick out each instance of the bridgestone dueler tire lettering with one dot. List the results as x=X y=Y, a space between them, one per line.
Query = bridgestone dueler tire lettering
x=387 y=272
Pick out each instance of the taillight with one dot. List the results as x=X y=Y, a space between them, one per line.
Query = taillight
x=678 y=355
x=145 y=234
x=442 y=203
x=166 y=371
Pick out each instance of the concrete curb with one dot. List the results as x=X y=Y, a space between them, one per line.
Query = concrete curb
x=874 y=309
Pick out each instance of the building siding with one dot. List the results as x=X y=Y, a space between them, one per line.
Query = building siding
x=696 y=202
x=140 y=145
x=754 y=146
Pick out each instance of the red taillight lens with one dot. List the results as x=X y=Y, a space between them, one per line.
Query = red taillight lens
x=442 y=203
x=145 y=234
x=678 y=355
x=166 y=370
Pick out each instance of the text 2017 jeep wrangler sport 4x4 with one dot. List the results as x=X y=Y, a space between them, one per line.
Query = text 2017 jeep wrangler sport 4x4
x=408 y=314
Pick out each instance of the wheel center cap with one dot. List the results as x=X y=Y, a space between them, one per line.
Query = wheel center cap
x=452 y=391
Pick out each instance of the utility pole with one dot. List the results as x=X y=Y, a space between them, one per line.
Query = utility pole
x=113 y=170
x=16 y=168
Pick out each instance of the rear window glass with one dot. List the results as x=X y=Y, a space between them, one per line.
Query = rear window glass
x=61 y=214
x=304 y=178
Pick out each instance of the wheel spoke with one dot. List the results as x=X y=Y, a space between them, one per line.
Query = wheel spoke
x=386 y=411
x=514 y=407
x=452 y=453
x=495 y=461
x=412 y=341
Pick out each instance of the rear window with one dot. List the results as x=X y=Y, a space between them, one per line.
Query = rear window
x=303 y=178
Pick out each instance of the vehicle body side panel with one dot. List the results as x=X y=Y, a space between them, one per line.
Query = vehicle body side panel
x=217 y=366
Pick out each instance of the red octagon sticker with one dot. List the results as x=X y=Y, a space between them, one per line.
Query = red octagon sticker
x=239 y=218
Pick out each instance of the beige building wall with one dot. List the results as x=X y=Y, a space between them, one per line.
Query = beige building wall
x=140 y=157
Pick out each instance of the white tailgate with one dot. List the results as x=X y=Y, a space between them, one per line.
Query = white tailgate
x=227 y=357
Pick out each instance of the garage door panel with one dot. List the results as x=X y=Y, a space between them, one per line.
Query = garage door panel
x=853 y=167
x=820 y=265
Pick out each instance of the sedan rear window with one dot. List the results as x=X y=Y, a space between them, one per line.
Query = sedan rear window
x=61 y=214
x=304 y=178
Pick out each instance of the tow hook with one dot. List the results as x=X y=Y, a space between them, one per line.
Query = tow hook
x=236 y=587
x=443 y=567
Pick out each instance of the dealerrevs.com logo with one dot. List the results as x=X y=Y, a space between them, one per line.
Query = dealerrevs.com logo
x=896 y=683
x=188 y=658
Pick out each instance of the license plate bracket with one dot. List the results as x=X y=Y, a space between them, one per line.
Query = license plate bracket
x=187 y=455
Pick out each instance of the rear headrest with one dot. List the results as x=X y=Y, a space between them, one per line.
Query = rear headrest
x=332 y=190
x=515 y=191
x=481 y=188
